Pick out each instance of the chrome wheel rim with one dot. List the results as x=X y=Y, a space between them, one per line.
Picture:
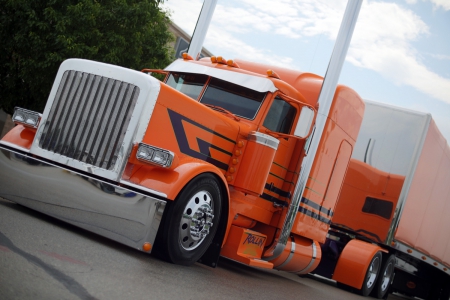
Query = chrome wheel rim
x=387 y=276
x=372 y=272
x=196 y=220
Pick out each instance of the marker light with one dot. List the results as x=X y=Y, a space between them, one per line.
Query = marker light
x=221 y=60
x=187 y=56
x=232 y=63
x=154 y=155
x=25 y=117
x=271 y=73
x=213 y=59
x=147 y=247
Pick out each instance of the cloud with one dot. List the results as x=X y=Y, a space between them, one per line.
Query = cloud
x=181 y=12
x=440 y=56
x=226 y=42
x=382 y=41
x=227 y=21
x=444 y=4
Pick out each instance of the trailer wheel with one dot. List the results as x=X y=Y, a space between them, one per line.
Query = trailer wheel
x=385 y=278
x=371 y=275
x=192 y=220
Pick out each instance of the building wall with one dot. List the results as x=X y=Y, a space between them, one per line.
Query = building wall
x=182 y=41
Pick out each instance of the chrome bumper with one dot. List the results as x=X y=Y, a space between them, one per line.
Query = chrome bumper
x=123 y=215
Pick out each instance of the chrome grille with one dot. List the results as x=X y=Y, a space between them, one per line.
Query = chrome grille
x=89 y=118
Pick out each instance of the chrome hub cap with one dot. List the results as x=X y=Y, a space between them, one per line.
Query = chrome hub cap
x=196 y=220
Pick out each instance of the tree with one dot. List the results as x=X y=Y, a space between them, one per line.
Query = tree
x=37 y=36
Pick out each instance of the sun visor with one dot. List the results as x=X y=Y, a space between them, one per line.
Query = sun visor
x=259 y=84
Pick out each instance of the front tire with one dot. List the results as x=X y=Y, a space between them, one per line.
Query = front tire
x=192 y=220
x=371 y=274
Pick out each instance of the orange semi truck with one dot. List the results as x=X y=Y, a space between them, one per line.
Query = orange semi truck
x=203 y=164
x=396 y=194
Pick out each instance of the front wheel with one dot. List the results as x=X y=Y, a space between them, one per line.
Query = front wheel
x=371 y=274
x=192 y=220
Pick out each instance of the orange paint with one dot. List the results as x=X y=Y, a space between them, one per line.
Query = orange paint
x=363 y=181
x=245 y=246
x=258 y=181
x=21 y=136
x=353 y=263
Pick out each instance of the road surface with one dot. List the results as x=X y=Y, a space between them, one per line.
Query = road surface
x=43 y=258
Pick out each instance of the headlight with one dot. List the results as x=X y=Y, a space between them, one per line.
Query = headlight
x=154 y=155
x=26 y=117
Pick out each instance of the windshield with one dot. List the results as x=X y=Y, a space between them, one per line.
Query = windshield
x=237 y=99
x=189 y=84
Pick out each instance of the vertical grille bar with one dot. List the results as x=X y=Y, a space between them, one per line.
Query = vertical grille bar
x=82 y=154
x=68 y=130
x=124 y=117
x=63 y=114
x=84 y=108
x=89 y=118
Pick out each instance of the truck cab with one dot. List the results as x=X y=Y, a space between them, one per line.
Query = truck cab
x=202 y=164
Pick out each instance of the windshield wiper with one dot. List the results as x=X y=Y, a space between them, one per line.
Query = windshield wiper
x=221 y=109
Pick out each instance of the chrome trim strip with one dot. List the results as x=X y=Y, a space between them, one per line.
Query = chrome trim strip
x=263 y=139
x=14 y=146
x=313 y=259
x=143 y=188
x=256 y=83
x=126 y=216
x=419 y=256
x=291 y=254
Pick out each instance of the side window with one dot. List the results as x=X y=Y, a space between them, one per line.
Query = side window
x=189 y=84
x=378 y=207
x=280 y=117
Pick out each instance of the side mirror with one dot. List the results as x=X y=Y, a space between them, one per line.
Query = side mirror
x=304 y=123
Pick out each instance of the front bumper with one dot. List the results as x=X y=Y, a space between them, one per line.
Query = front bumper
x=124 y=215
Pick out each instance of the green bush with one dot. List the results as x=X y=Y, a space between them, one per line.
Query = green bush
x=37 y=35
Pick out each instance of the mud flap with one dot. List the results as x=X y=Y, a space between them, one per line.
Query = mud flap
x=246 y=246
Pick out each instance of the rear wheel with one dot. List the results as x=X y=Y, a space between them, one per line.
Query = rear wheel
x=192 y=220
x=371 y=275
x=385 y=278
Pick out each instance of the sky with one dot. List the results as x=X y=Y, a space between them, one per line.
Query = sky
x=399 y=53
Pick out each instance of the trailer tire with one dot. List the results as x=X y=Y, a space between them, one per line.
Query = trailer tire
x=385 y=278
x=372 y=273
x=192 y=220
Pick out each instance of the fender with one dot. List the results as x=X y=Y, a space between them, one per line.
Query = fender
x=171 y=181
x=20 y=136
x=353 y=262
